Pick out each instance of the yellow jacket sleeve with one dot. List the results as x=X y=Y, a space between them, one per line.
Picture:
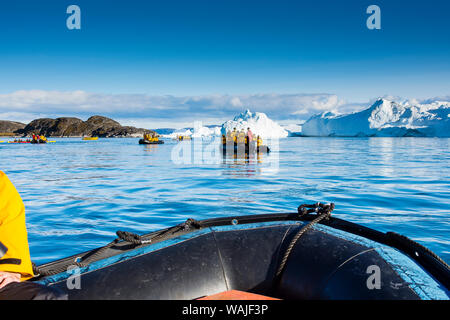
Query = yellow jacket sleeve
x=13 y=232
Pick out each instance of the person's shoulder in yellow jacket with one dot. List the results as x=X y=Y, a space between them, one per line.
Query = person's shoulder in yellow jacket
x=13 y=232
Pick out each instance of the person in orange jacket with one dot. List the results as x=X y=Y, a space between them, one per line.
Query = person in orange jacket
x=15 y=262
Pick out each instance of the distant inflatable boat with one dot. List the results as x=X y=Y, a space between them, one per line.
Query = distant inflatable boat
x=142 y=141
x=90 y=138
x=30 y=142
x=182 y=138
x=287 y=256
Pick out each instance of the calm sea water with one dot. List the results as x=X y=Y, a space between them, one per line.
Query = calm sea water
x=78 y=193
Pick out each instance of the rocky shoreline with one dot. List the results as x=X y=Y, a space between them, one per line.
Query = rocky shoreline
x=95 y=126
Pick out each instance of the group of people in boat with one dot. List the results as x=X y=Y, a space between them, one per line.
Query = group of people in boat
x=182 y=138
x=34 y=139
x=241 y=137
x=21 y=141
x=38 y=138
x=151 y=137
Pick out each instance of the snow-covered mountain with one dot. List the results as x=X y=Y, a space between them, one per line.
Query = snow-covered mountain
x=258 y=122
x=385 y=118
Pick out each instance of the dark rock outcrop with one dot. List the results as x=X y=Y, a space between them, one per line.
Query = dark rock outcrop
x=10 y=127
x=95 y=126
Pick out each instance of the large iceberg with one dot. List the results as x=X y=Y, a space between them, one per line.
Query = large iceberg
x=385 y=118
x=258 y=122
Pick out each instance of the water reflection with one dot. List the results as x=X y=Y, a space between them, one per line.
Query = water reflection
x=382 y=150
x=242 y=164
x=151 y=148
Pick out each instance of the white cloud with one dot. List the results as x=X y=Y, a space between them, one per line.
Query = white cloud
x=236 y=102
x=144 y=109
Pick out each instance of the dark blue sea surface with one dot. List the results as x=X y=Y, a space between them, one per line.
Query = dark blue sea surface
x=78 y=193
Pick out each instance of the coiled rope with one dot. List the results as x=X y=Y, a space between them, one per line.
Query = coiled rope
x=323 y=212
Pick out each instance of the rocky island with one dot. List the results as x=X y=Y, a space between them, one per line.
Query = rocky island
x=8 y=128
x=95 y=126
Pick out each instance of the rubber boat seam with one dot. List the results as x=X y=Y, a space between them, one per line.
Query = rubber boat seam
x=278 y=253
x=282 y=242
x=341 y=265
x=221 y=260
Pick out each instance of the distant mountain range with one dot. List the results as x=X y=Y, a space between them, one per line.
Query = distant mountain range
x=95 y=126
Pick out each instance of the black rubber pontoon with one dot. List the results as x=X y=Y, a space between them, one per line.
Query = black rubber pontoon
x=332 y=259
x=142 y=141
x=244 y=148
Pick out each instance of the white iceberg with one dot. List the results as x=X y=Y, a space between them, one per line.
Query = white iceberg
x=203 y=132
x=385 y=118
x=198 y=132
x=176 y=133
x=258 y=122
x=294 y=130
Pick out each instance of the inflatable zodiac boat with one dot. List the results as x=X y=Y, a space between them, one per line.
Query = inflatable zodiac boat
x=143 y=141
x=23 y=141
x=308 y=254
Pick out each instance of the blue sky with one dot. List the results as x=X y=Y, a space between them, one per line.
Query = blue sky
x=222 y=47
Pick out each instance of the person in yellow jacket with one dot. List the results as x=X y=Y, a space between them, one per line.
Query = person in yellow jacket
x=259 y=141
x=234 y=135
x=151 y=137
x=15 y=262
x=241 y=137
